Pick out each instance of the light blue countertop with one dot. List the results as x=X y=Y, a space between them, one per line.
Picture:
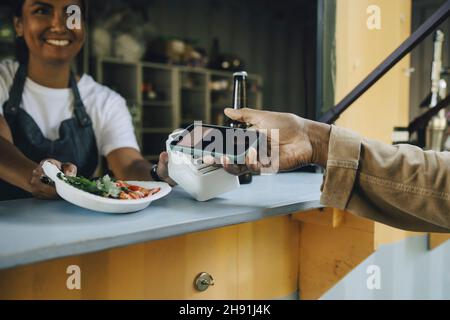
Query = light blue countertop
x=35 y=230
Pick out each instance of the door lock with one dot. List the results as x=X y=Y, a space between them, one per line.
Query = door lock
x=203 y=281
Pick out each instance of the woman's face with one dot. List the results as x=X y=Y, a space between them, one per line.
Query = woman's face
x=44 y=26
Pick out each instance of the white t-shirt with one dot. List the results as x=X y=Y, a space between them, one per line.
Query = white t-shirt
x=108 y=111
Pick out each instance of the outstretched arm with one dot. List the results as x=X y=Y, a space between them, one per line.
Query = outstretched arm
x=401 y=186
x=15 y=168
x=18 y=170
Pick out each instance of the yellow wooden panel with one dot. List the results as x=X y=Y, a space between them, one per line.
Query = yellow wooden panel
x=436 y=239
x=165 y=264
x=327 y=254
x=327 y=217
x=317 y=216
x=268 y=258
x=95 y=275
x=216 y=253
x=166 y=269
x=126 y=270
x=33 y=281
x=338 y=218
x=388 y=235
x=383 y=234
x=359 y=51
x=248 y=261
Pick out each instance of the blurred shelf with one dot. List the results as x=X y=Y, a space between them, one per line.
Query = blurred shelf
x=185 y=95
x=117 y=61
x=194 y=89
x=156 y=103
x=191 y=120
x=159 y=66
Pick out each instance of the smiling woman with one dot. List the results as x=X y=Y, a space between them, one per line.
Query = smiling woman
x=49 y=113
x=43 y=9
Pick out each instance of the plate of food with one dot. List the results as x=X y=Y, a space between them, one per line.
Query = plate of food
x=106 y=194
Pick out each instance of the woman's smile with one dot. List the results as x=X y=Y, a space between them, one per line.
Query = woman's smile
x=58 y=43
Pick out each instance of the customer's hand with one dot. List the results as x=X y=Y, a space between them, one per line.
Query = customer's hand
x=163 y=169
x=41 y=186
x=295 y=140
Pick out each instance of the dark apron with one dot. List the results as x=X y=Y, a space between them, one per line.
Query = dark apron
x=76 y=143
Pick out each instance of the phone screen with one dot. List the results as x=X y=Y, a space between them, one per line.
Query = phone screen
x=217 y=140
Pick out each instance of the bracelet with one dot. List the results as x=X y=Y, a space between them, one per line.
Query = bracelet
x=154 y=174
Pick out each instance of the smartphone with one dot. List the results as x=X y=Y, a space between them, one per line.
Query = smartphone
x=200 y=140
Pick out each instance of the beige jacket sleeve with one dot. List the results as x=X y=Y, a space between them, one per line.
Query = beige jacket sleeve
x=401 y=186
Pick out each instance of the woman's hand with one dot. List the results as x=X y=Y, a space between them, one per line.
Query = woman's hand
x=42 y=190
x=163 y=169
x=292 y=141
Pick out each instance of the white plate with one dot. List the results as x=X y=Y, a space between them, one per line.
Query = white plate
x=97 y=203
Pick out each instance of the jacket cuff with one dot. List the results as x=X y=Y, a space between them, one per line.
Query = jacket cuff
x=344 y=152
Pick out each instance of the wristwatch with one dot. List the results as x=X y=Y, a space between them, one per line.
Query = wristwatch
x=154 y=173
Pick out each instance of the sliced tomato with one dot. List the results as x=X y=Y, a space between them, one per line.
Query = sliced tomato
x=134 y=188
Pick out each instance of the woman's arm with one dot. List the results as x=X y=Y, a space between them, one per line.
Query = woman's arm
x=18 y=170
x=129 y=164
x=15 y=168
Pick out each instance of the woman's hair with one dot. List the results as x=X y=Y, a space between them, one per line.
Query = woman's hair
x=21 y=49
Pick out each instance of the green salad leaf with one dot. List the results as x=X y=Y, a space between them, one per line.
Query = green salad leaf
x=108 y=187
x=105 y=186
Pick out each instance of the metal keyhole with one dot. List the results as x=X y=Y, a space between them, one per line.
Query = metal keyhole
x=203 y=281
